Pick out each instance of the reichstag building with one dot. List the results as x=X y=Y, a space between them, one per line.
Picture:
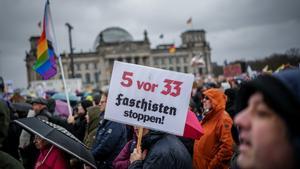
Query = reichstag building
x=115 y=43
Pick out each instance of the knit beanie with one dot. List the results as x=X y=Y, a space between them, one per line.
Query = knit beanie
x=281 y=92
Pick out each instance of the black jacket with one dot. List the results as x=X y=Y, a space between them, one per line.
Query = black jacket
x=111 y=137
x=77 y=129
x=44 y=114
x=164 y=152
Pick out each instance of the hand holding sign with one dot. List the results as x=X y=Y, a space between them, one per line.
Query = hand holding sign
x=149 y=97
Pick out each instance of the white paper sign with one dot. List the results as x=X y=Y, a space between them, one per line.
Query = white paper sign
x=149 y=97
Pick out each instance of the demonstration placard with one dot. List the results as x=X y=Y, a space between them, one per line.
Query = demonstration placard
x=149 y=97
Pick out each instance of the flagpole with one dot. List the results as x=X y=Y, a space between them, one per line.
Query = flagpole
x=65 y=86
x=60 y=64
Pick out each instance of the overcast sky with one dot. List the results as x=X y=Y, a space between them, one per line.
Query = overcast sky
x=235 y=29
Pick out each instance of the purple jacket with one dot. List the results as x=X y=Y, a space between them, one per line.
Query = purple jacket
x=122 y=160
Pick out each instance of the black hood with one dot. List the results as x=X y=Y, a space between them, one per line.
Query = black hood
x=151 y=138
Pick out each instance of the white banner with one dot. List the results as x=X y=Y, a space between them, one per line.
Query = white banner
x=149 y=97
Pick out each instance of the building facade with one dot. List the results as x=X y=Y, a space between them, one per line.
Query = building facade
x=114 y=43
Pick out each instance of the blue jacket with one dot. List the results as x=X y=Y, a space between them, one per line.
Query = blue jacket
x=111 y=137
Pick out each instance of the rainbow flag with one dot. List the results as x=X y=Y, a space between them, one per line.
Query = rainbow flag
x=45 y=64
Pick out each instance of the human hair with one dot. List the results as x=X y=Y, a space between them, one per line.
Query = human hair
x=97 y=98
x=2 y=85
x=104 y=94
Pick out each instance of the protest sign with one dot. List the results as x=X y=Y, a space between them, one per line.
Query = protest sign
x=149 y=97
x=232 y=70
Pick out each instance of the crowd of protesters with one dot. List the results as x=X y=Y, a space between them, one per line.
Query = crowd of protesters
x=249 y=123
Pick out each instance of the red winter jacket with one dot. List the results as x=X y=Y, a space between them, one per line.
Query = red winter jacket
x=122 y=160
x=54 y=160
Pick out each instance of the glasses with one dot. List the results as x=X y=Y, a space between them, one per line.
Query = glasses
x=205 y=98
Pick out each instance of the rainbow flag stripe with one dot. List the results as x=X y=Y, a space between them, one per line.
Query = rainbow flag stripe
x=45 y=64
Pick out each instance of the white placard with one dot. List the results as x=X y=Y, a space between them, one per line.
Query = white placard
x=149 y=97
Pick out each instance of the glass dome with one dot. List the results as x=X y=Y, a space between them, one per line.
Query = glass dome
x=113 y=34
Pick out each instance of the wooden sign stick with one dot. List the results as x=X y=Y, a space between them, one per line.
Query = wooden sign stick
x=140 y=135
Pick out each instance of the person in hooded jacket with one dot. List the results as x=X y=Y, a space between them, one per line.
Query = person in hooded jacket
x=92 y=119
x=160 y=151
x=215 y=148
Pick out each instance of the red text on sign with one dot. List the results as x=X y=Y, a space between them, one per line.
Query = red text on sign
x=146 y=86
x=127 y=81
x=175 y=91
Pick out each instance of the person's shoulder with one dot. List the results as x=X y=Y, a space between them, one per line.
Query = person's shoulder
x=3 y=106
x=168 y=145
x=116 y=124
x=94 y=108
x=7 y=161
x=115 y=127
x=46 y=113
x=224 y=121
x=167 y=141
x=57 y=151
x=226 y=117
